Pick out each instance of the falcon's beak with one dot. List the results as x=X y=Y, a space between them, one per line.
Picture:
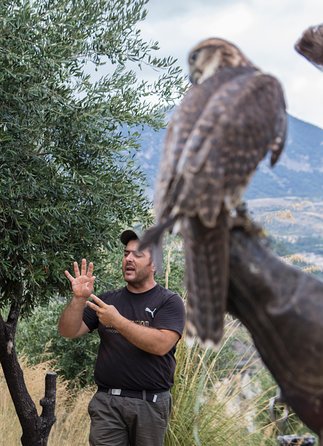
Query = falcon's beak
x=194 y=76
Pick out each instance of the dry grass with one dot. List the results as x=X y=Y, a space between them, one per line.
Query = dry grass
x=72 y=425
x=210 y=420
x=280 y=215
x=207 y=410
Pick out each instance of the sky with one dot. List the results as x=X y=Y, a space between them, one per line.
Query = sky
x=265 y=30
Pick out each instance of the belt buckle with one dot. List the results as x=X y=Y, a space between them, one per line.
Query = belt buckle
x=115 y=391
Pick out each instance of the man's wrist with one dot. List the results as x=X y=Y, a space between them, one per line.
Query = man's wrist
x=79 y=300
x=120 y=323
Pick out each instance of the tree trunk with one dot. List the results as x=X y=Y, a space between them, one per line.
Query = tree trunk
x=48 y=404
x=35 y=428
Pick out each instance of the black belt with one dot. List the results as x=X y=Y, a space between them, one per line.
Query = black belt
x=147 y=395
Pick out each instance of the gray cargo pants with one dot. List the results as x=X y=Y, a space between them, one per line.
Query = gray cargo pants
x=124 y=421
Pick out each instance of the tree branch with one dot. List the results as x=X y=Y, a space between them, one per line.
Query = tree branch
x=282 y=307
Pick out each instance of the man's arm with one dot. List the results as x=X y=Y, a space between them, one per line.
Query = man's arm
x=151 y=340
x=71 y=323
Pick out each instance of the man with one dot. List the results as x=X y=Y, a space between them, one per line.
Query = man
x=139 y=326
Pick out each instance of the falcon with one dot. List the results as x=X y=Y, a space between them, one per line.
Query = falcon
x=231 y=116
x=310 y=45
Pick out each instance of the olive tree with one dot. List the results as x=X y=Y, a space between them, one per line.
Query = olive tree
x=72 y=106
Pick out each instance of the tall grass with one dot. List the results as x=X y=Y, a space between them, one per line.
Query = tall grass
x=208 y=409
x=208 y=403
x=72 y=425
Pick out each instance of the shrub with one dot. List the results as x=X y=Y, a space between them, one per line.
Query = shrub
x=40 y=341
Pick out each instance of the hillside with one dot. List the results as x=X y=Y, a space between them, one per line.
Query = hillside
x=295 y=226
x=287 y=200
x=298 y=173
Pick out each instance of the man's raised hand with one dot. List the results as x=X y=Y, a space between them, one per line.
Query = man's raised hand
x=83 y=282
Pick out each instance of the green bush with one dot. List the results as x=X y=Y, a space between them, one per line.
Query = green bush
x=39 y=340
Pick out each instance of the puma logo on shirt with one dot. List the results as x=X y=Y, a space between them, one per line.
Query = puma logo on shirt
x=151 y=311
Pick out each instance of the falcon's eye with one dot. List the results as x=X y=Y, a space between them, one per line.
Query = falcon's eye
x=193 y=56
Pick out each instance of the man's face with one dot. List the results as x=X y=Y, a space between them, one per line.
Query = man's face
x=137 y=266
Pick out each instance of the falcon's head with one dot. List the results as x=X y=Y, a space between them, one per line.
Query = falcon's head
x=210 y=55
x=310 y=45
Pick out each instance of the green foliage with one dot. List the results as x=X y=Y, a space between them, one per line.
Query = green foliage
x=38 y=339
x=68 y=184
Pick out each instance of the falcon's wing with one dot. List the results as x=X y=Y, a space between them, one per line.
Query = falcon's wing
x=179 y=130
x=212 y=158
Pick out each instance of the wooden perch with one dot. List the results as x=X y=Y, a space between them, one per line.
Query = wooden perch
x=282 y=307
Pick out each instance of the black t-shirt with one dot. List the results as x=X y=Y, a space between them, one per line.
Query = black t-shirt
x=122 y=365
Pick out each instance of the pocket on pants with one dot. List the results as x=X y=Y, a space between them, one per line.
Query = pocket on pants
x=163 y=407
x=92 y=404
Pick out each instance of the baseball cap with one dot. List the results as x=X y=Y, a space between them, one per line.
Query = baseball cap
x=131 y=234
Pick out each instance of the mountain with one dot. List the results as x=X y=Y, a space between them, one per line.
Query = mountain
x=298 y=173
x=286 y=200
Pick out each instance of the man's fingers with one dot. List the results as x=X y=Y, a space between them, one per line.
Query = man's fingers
x=83 y=267
x=76 y=269
x=92 y=305
x=97 y=300
x=69 y=276
x=90 y=269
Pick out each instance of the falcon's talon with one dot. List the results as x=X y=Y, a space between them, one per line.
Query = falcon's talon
x=245 y=222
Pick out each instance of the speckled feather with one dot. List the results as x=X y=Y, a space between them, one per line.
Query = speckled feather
x=215 y=140
x=206 y=256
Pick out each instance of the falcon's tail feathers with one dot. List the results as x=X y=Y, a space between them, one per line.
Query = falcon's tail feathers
x=207 y=260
